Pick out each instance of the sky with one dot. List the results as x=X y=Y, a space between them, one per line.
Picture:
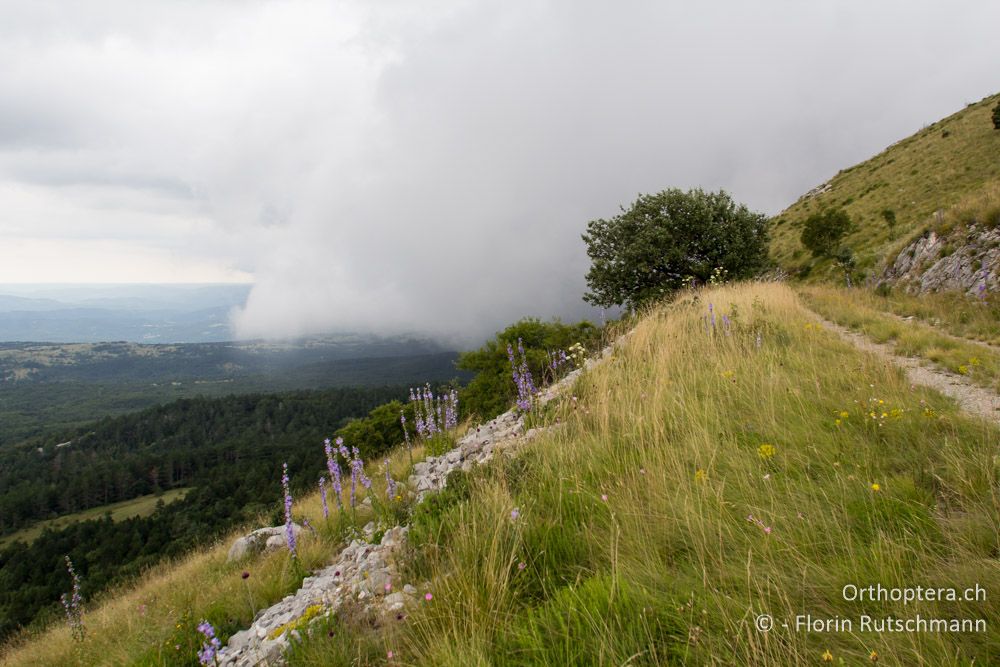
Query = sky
x=399 y=166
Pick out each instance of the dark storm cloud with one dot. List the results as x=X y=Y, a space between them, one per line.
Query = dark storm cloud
x=431 y=168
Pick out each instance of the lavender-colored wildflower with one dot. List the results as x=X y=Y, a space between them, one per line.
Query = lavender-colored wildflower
x=365 y=482
x=71 y=604
x=322 y=496
x=206 y=655
x=289 y=531
x=711 y=312
x=334 y=469
x=390 y=483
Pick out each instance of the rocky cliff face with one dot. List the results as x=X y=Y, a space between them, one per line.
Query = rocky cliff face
x=967 y=260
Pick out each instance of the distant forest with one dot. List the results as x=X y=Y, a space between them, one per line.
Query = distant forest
x=229 y=449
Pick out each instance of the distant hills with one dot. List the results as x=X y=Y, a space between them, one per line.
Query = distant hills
x=138 y=313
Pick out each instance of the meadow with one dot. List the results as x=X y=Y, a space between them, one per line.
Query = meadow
x=731 y=461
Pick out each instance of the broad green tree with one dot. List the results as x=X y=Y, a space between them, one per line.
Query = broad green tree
x=666 y=239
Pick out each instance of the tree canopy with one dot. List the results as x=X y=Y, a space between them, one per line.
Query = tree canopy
x=665 y=239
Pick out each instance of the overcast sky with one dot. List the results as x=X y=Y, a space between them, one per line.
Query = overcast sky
x=431 y=165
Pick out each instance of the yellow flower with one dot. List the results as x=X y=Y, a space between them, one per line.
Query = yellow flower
x=765 y=451
x=844 y=414
x=963 y=369
x=928 y=412
x=700 y=475
x=827 y=656
x=873 y=656
x=973 y=361
x=837 y=422
x=728 y=374
x=876 y=487
x=896 y=413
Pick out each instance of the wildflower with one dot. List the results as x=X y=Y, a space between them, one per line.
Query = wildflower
x=844 y=414
x=71 y=604
x=876 y=487
x=245 y=575
x=767 y=477
x=760 y=524
x=390 y=483
x=928 y=412
x=827 y=656
x=360 y=465
x=289 y=531
x=700 y=475
x=604 y=497
x=388 y=586
x=836 y=422
x=322 y=496
x=766 y=451
x=206 y=655
x=873 y=656
x=728 y=374
x=642 y=471
x=963 y=369
x=428 y=597
x=388 y=655
x=973 y=361
x=522 y=565
x=334 y=468
x=514 y=514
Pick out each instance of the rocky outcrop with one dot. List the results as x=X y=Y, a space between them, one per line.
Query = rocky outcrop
x=364 y=574
x=262 y=539
x=966 y=261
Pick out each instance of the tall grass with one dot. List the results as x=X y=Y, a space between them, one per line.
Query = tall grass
x=668 y=569
x=958 y=314
x=853 y=308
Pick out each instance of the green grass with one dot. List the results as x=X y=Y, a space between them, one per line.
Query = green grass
x=931 y=170
x=634 y=543
x=668 y=569
x=857 y=309
x=957 y=314
x=136 y=507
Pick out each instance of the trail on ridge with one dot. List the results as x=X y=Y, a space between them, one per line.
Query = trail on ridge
x=970 y=398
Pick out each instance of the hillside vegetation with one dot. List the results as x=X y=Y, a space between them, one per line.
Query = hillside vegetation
x=948 y=161
x=711 y=471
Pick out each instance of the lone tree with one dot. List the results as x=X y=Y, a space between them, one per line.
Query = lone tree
x=650 y=249
x=823 y=231
x=996 y=117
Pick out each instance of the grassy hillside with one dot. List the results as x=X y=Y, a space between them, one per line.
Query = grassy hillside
x=932 y=170
x=698 y=480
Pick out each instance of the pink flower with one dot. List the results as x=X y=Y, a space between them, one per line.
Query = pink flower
x=522 y=565
x=388 y=586
x=604 y=497
x=389 y=655
x=428 y=597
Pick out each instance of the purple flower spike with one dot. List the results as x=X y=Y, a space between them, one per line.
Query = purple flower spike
x=206 y=655
x=289 y=530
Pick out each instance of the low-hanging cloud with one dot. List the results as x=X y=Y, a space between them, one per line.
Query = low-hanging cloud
x=394 y=168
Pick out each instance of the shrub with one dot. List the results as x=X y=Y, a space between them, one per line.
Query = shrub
x=823 y=231
x=663 y=240
x=996 y=117
x=890 y=220
x=492 y=390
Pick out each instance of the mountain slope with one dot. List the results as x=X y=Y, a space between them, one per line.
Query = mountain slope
x=929 y=171
x=712 y=472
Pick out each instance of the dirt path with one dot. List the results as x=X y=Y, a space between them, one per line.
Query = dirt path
x=971 y=398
